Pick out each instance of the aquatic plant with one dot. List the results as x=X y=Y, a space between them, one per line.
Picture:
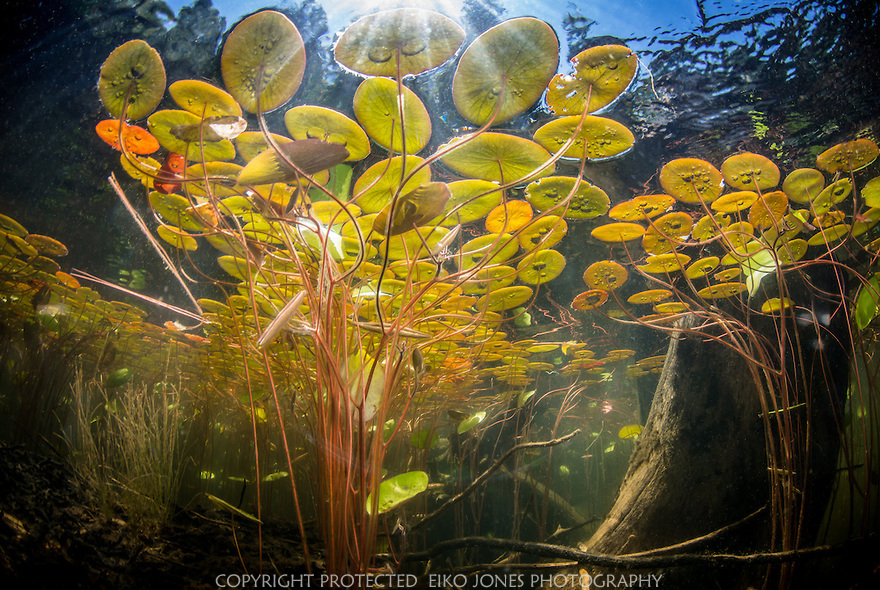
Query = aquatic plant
x=362 y=299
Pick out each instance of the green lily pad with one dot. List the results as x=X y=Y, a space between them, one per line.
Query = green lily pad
x=398 y=42
x=497 y=157
x=263 y=61
x=470 y=422
x=203 y=100
x=118 y=377
x=510 y=64
x=161 y=125
x=132 y=80
x=378 y=107
x=313 y=122
x=397 y=490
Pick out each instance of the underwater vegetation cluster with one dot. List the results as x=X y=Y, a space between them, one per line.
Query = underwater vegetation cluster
x=373 y=296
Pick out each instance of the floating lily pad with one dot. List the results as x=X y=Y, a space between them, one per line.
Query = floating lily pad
x=638 y=208
x=702 y=267
x=375 y=188
x=586 y=202
x=397 y=490
x=618 y=232
x=489 y=249
x=510 y=64
x=768 y=210
x=605 y=274
x=589 y=299
x=136 y=139
x=691 y=180
x=203 y=100
x=649 y=296
x=736 y=201
x=399 y=42
x=505 y=298
x=263 y=61
x=497 y=157
x=803 y=185
x=832 y=195
x=601 y=74
x=540 y=267
x=161 y=124
x=251 y=143
x=749 y=171
x=509 y=217
x=177 y=238
x=544 y=232
x=132 y=80
x=598 y=139
x=314 y=122
x=849 y=156
x=378 y=103
x=665 y=263
x=471 y=200
x=722 y=290
x=710 y=226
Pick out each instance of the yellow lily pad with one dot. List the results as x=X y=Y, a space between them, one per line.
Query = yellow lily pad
x=848 y=156
x=314 y=122
x=375 y=188
x=643 y=207
x=601 y=74
x=589 y=299
x=599 y=138
x=543 y=232
x=203 y=100
x=161 y=124
x=540 y=267
x=586 y=202
x=618 y=232
x=691 y=180
x=606 y=275
x=749 y=171
x=505 y=298
x=803 y=185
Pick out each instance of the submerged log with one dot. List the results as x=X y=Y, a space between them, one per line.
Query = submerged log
x=701 y=464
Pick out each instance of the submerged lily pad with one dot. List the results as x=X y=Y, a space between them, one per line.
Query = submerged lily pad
x=263 y=61
x=308 y=155
x=398 y=42
x=132 y=80
x=397 y=490
x=505 y=70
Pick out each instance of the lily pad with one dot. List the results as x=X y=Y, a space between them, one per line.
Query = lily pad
x=598 y=138
x=263 y=61
x=540 y=267
x=848 y=156
x=496 y=157
x=691 y=180
x=606 y=275
x=749 y=171
x=586 y=202
x=643 y=207
x=378 y=103
x=397 y=490
x=308 y=155
x=505 y=70
x=601 y=74
x=203 y=100
x=412 y=209
x=314 y=122
x=399 y=42
x=132 y=80
x=803 y=185
x=375 y=188
x=161 y=124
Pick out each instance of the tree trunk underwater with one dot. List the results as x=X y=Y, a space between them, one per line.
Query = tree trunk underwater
x=701 y=464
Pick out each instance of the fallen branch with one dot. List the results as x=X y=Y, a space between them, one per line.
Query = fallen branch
x=577 y=557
